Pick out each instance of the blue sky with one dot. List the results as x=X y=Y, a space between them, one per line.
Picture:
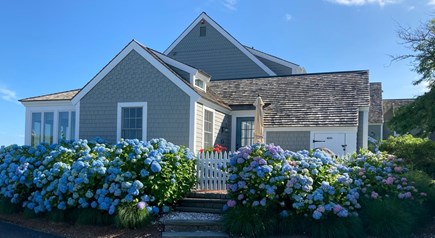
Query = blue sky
x=51 y=46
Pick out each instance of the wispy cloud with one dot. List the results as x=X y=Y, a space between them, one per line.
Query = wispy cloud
x=431 y=2
x=230 y=4
x=288 y=17
x=410 y=8
x=364 y=2
x=8 y=95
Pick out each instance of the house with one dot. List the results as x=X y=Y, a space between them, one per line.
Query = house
x=389 y=107
x=376 y=113
x=200 y=91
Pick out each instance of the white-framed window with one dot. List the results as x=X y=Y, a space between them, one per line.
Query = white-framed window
x=208 y=128
x=51 y=126
x=200 y=84
x=132 y=120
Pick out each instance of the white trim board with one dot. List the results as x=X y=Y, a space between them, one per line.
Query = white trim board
x=273 y=58
x=204 y=16
x=133 y=45
x=144 y=117
x=316 y=129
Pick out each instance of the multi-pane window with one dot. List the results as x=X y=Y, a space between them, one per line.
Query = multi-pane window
x=208 y=129
x=247 y=133
x=131 y=123
x=51 y=127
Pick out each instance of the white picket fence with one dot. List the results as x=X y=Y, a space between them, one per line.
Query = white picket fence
x=210 y=175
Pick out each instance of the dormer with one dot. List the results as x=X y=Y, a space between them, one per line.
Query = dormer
x=201 y=79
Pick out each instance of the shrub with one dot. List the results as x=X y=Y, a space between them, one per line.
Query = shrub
x=325 y=193
x=131 y=216
x=417 y=152
x=82 y=175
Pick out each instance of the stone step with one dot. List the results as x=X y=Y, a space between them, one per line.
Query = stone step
x=203 y=202
x=193 y=225
x=208 y=234
x=200 y=209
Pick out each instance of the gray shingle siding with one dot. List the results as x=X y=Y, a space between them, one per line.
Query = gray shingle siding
x=289 y=140
x=215 y=55
x=136 y=80
x=221 y=137
x=278 y=69
x=375 y=131
x=222 y=121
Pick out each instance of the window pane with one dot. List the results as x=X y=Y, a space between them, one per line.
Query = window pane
x=208 y=129
x=131 y=123
x=247 y=132
x=48 y=127
x=63 y=125
x=73 y=125
x=36 y=128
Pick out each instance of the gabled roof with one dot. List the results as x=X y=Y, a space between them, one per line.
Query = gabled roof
x=321 y=99
x=62 y=96
x=376 y=113
x=203 y=16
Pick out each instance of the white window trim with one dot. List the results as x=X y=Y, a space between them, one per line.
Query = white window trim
x=234 y=116
x=204 y=108
x=35 y=109
x=144 y=117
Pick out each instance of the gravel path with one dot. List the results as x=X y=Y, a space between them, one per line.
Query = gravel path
x=191 y=216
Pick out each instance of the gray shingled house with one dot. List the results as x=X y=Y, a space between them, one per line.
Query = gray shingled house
x=200 y=91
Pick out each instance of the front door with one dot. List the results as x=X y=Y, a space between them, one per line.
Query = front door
x=333 y=141
x=244 y=131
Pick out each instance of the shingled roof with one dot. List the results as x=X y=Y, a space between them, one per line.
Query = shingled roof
x=376 y=113
x=321 y=99
x=62 y=96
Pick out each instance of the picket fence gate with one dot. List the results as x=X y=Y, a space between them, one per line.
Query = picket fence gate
x=210 y=175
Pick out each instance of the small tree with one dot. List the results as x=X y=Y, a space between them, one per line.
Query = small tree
x=419 y=115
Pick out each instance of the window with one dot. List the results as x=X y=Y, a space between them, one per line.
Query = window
x=208 y=128
x=48 y=127
x=199 y=83
x=247 y=133
x=63 y=126
x=51 y=127
x=131 y=126
x=36 y=128
x=244 y=131
x=132 y=120
x=202 y=31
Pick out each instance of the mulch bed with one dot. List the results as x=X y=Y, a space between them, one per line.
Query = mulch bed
x=74 y=230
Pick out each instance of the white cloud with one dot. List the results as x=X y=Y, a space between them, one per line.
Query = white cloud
x=8 y=95
x=431 y=2
x=230 y=4
x=364 y=2
x=288 y=17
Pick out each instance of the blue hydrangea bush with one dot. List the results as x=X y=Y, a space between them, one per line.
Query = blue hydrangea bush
x=154 y=174
x=312 y=185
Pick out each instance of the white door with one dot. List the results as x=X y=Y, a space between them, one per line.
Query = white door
x=333 y=141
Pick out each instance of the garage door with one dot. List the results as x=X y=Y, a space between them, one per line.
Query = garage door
x=333 y=141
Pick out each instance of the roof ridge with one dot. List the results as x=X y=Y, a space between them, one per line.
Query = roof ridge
x=296 y=75
x=252 y=48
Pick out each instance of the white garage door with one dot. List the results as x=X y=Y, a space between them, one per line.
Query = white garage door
x=333 y=141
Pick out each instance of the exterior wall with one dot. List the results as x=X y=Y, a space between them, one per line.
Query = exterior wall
x=136 y=80
x=362 y=134
x=375 y=131
x=220 y=136
x=215 y=55
x=222 y=129
x=289 y=140
x=278 y=69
